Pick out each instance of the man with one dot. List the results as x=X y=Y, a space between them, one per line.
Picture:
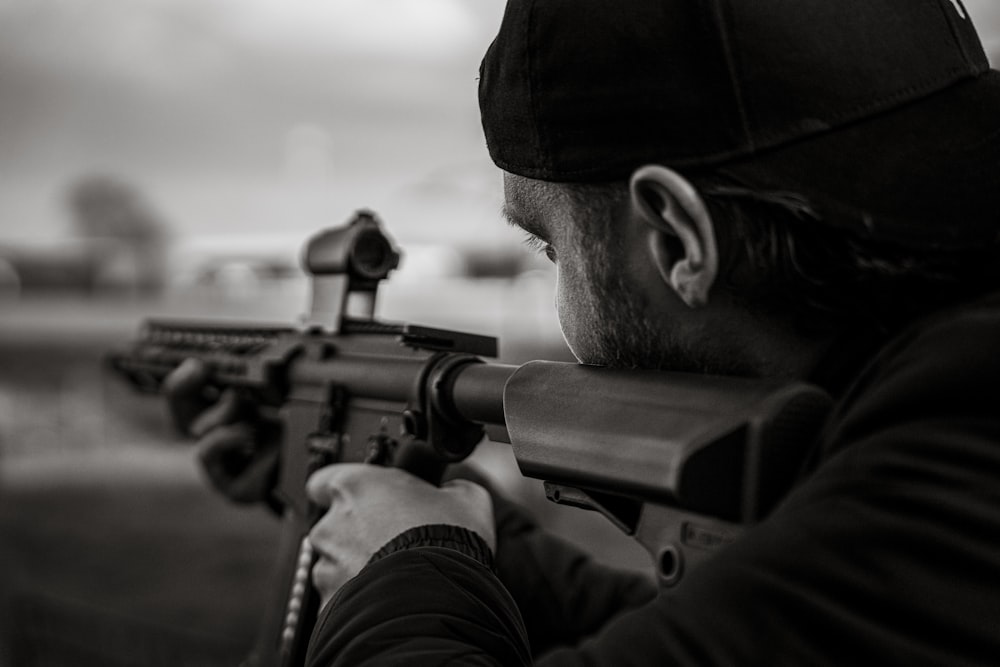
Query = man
x=785 y=189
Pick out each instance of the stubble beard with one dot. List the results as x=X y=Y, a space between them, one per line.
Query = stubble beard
x=625 y=336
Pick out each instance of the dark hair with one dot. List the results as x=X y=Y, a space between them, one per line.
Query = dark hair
x=825 y=278
x=778 y=257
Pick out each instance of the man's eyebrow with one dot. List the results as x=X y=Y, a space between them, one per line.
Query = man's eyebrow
x=514 y=218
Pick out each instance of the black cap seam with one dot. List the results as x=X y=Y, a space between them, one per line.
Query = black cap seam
x=723 y=23
x=924 y=87
x=530 y=46
x=767 y=142
x=959 y=42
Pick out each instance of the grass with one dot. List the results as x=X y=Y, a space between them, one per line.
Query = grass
x=111 y=558
x=113 y=550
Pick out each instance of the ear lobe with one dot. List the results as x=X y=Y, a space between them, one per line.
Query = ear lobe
x=681 y=238
x=690 y=284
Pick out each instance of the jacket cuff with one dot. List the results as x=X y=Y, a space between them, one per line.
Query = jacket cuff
x=447 y=536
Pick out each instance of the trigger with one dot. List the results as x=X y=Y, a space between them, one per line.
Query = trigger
x=324 y=450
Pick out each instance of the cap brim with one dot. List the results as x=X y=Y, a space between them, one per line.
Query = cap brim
x=927 y=172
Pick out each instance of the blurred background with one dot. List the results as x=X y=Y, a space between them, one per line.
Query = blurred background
x=170 y=158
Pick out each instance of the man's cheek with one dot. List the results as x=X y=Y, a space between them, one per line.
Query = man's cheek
x=563 y=312
x=574 y=321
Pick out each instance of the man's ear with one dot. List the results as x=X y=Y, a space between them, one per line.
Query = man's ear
x=681 y=236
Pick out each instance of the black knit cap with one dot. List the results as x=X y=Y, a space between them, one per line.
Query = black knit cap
x=884 y=113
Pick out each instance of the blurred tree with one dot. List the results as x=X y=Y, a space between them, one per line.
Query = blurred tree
x=114 y=214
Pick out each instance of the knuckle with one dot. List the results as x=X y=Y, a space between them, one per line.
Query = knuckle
x=326 y=576
x=324 y=485
x=186 y=378
x=317 y=534
x=221 y=439
x=224 y=411
x=315 y=487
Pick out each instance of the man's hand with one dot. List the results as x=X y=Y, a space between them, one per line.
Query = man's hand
x=369 y=505
x=237 y=447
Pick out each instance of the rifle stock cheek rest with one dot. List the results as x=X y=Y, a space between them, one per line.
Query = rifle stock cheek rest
x=680 y=461
x=720 y=446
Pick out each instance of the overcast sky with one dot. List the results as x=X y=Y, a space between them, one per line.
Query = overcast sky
x=256 y=116
x=245 y=115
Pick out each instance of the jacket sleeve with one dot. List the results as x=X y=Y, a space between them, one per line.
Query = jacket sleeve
x=420 y=604
x=885 y=554
x=433 y=573
x=563 y=594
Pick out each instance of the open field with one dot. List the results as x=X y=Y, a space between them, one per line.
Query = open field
x=112 y=549
x=127 y=562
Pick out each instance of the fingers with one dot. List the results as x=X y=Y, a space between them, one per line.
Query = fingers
x=329 y=577
x=237 y=446
x=239 y=462
x=187 y=392
x=326 y=484
x=220 y=451
x=226 y=410
x=356 y=479
x=258 y=478
x=189 y=377
x=370 y=505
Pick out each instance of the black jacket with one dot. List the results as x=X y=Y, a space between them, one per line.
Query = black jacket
x=886 y=552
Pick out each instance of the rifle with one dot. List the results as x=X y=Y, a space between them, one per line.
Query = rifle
x=682 y=462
